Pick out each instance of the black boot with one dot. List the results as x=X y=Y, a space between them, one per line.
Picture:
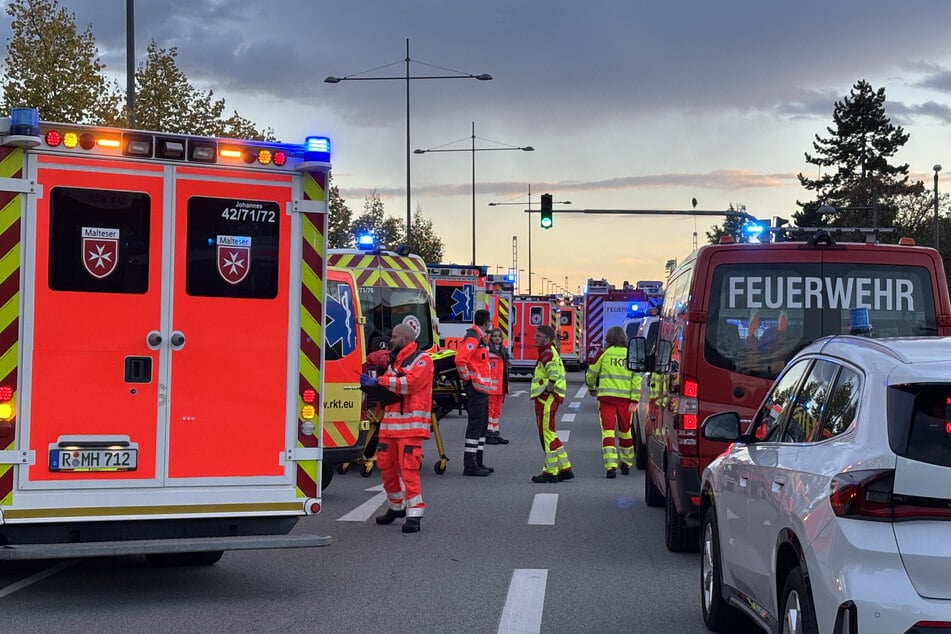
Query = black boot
x=411 y=525
x=471 y=466
x=479 y=462
x=501 y=441
x=490 y=439
x=389 y=516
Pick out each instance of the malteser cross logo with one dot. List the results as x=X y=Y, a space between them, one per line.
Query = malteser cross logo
x=100 y=251
x=234 y=258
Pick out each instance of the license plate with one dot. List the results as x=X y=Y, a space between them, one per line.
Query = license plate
x=93 y=459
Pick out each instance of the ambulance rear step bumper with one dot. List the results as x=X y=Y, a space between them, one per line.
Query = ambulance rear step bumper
x=152 y=546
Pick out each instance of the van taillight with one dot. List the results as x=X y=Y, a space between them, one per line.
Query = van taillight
x=688 y=408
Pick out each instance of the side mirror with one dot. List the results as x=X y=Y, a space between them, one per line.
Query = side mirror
x=637 y=354
x=724 y=427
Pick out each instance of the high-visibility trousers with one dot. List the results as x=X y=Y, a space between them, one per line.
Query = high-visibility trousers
x=399 y=460
x=556 y=457
x=615 y=414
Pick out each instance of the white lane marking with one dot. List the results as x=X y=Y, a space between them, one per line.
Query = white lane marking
x=581 y=392
x=363 y=512
x=563 y=434
x=524 y=602
x=543 y=509
x=517 y=393
x=29 y=581
x=568 y=417
x=574 y=405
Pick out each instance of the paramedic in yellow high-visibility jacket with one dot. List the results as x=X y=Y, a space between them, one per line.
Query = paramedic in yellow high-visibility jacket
x=618 y=390
x=548 y=391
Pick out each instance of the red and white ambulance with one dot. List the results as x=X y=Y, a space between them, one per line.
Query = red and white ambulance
x=501 y=292
x=569 y=333
x=160 y=341
x=458 y=291
x=528 y=313
x=606 y=305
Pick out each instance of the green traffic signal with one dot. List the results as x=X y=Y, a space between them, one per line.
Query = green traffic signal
x=546 y=219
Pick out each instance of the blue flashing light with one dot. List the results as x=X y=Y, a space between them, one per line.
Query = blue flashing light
x=635 y=308
x=754 y=228
x=510 y=277
x=24 y=122
x=317 y=148
x=366 y=242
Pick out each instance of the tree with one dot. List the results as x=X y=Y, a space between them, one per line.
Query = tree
x=54 y=68
x=426 y=243
x=339 y=233
x=732 y=226
x=857 y=180
x=166 y=101
x=390 y=232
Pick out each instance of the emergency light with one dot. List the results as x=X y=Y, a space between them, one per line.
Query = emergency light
x=366 y=242
x=510 y=277
x=317 y=148
x=635 y=308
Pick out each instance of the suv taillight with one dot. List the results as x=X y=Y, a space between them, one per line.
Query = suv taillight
x=688 y=409
x=868 y=495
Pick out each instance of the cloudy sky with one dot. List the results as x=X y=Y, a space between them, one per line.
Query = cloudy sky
x=629 y=104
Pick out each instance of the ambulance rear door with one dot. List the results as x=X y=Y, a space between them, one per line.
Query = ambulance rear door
x=93 y=293
x=230 y=327
x=344 y=435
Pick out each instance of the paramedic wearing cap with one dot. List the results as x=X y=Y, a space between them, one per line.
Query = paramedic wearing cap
x=405 y=425
x=472 y=363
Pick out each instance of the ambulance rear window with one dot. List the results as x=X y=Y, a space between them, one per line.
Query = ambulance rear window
x=233 y=248
x=99 y=240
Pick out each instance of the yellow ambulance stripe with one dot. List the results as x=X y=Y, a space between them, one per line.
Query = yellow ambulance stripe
x=312 y=190
x=11 y=166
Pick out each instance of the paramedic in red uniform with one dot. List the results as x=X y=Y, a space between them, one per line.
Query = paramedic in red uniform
x=405 y=424
x=472 y=363
x=499 y=363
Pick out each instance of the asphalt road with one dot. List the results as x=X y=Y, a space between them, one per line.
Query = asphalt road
x=495 y=554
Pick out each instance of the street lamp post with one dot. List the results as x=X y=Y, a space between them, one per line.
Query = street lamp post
x=529 y=212
x=407 y=77
x=473 y=150
x=937 y=169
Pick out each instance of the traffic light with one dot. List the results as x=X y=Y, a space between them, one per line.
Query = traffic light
x=780 y=235
x=547 y=221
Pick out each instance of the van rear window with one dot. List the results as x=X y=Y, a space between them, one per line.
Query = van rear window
x=760 y=316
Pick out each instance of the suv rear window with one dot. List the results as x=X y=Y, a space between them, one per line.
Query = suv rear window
x=919 y=423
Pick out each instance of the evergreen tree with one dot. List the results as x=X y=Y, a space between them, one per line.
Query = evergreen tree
x=732 y=226
x=390 y=232
x=54 y=68
x=426 y=243
x=857 y=179
x=166 y=101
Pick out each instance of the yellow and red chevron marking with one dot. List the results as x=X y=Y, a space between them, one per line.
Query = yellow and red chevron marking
x=505 y=317
x=339 y=434
x=393 y=271
x=311 y=321
x=11 y=166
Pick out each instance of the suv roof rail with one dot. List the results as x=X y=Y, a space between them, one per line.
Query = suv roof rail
x=866 y=342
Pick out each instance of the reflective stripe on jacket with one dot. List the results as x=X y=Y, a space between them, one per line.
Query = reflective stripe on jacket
x=472 y=360
x=549 y=368
x=610 y=377
x=409 y=417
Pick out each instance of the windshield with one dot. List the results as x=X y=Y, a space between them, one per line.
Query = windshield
x=385 y=307
x=759 y=317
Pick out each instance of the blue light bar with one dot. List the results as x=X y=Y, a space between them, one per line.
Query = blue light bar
x=635 y=308
x=510 y=277
x=24 y=122
x=317 y=148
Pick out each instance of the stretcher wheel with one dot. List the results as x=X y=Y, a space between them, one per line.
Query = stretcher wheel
x=343 y=467
x=439 y=467
x=367 y=470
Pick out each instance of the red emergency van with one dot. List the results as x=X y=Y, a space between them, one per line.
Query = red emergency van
x=161 y=364
x=734 y=314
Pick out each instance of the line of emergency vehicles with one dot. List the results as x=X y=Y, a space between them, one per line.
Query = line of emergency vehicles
x=179 y=349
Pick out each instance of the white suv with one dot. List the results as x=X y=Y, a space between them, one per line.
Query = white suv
x=833 y=513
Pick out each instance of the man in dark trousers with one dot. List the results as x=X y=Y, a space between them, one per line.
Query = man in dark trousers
x=472 y=362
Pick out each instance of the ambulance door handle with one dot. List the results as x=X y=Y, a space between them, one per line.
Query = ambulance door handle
x=154 y=339
x=177 y=340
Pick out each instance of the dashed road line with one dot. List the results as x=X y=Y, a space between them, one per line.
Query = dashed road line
x=524 y=602
x=581 y=392
x=563 y=434
x=568 y=418
x=363 y=512
x=543 y=510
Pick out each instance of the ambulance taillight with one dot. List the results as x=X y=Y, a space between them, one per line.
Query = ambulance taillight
x=6 y=403
x=308 y=411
